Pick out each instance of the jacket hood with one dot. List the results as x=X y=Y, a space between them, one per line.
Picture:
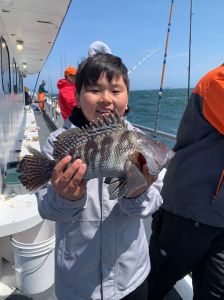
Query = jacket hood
x=62 y=83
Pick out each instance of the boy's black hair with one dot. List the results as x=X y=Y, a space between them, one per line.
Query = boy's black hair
x=90 y=70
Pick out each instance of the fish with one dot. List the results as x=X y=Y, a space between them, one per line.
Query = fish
x=109 y=150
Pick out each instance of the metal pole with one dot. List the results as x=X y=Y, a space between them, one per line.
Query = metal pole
x=35 y=85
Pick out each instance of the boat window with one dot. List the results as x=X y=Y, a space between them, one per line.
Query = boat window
x=5 y=67
x=14 y=76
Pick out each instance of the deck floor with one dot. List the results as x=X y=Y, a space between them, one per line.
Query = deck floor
x=49 y=295
x=44 y=130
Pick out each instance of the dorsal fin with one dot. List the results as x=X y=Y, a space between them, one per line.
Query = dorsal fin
x=68 y=140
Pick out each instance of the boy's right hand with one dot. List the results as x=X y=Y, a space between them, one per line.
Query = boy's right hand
x=67 y=181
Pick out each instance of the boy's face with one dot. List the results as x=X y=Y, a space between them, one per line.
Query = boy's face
x=104 y=97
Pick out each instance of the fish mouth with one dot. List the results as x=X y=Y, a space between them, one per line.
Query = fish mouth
x=141 y=161
x=138 y=160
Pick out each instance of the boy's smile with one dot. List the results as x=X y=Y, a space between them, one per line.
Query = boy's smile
x=104 y=97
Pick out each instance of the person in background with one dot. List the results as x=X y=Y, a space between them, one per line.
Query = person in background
x=41 y=95
x=66 y=95
x=101 y=246
x=188 y=229
x=27 y=97
x=98 y=47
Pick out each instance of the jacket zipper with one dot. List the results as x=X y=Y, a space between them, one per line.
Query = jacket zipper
x=100 y=190
x=219 y=185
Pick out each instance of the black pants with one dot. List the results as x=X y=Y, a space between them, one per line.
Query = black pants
x=179 y=246
x=141 y=293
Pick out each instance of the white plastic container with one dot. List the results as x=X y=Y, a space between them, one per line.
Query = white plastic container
x=33 y=252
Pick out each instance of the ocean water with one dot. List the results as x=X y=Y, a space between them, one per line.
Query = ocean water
x=143 y=107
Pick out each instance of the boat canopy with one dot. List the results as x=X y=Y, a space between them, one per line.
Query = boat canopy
x=35 y=25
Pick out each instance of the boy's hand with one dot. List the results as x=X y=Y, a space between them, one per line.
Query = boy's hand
x=150 y=179
x=67 y=181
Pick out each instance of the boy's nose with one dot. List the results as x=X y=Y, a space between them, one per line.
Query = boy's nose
x=106 y=97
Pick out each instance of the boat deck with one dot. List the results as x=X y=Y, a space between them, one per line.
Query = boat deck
x=45 y=128
x=48 y=295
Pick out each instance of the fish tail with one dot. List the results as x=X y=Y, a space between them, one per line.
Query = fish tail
x=35 y=170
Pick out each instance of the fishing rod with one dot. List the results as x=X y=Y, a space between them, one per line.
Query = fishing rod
x=163 y=71
x=189 y=57
x=60 y=63
x=144 y=59
x=35 y=85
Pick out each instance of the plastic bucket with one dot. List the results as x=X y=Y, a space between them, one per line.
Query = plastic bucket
x=33 y=252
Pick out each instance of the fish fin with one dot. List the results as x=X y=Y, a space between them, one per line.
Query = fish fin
x=134 y=178
x=35 y=170
x=70 y=139
x=117 y=188
x=67 y=141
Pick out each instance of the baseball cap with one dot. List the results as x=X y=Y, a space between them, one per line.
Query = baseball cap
x=70 y=71
x=98 y=47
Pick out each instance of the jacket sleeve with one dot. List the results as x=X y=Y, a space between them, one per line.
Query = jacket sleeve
x=51 y=206
x=213 y=104
x=147 y=203
x=211 y=90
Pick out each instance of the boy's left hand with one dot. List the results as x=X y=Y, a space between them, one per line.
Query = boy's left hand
x=150 y=179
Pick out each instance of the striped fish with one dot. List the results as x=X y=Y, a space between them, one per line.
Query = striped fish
x=108 y=149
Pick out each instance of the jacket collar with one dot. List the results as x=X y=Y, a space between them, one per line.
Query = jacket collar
x=77 y=119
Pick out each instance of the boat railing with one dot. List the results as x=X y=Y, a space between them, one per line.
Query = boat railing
x=53 y=112
x=158 y=133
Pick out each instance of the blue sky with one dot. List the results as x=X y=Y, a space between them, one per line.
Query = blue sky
x=135 y=28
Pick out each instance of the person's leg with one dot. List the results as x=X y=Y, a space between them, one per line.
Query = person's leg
x=176 y=246
x=141 y=293
x=208 y=275
x=41 y=105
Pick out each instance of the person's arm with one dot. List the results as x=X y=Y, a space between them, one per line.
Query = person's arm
x=147 y=202
x=213 y=100
x=53 y=207
x=42 y=89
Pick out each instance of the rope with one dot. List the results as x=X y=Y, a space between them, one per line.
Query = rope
x=189 y=58
x=163 y=72
x=144 y=58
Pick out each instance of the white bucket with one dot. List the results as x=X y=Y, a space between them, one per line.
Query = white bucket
x=33 y=252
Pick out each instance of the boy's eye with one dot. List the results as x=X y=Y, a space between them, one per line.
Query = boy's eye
x=93 y=89
x=116 y=91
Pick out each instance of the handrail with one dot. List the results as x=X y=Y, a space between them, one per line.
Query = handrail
x=169 y=136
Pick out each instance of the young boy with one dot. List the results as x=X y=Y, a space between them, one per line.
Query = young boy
x=101 y=246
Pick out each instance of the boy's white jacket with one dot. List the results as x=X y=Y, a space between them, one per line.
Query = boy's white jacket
x=101 y=245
